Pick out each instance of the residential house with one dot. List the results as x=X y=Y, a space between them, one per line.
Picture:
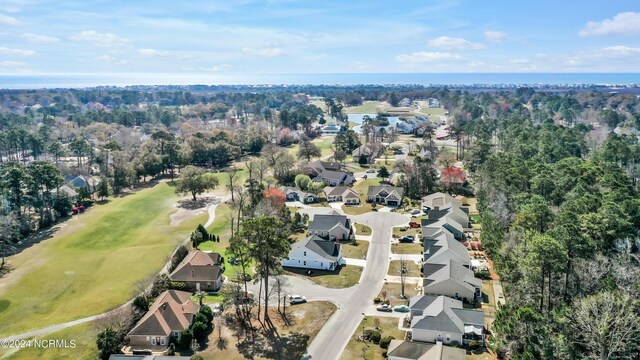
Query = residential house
x=70 y=192
x=314 y=252
x=414 y=350
x=332 y=128
x=442 y=247
x=313 y=168
x=453 y=219
x=332 y=226
x=295 y=194
x=199 y=271
x=440 y=201
x=171 y=313
x=451 y=278
x=405 y=127
x=385 y=194
x=453 y=177
x=335 y=178
x=424 y=153
x=444 y=320
x=77 y=182
x=369 y=151
x=342 y=193
x=433 y=103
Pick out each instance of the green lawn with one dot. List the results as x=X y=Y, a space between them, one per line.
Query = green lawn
x=363 y=230
x=211 y=298
x=400 y=231
x=361 y=186
x=412 y=268
x=357 y=349
x=84 y=336
x=431 y=111
x=357 y=209
x=410 y=248
x=367 y=107
x=345 y=276
x=356 y=249
x=93 y=263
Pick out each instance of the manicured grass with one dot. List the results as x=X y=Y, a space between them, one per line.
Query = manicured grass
x=367 y=107
x=211 y=298
x=305 y=321
x=356 y=249
x=394 y=293
x=84 y=336
x=358 y=349
x=400 y=231
x=363 y=230
x=431 y=111
x=357 y=209
x=345 y=276
x=361 y=186
x=413 y=269
x=410 y=248
x=94 y=262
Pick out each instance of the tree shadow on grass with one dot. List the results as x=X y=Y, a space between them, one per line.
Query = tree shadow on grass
x=288 y=347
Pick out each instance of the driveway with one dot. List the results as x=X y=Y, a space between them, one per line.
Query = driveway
x=336 y=333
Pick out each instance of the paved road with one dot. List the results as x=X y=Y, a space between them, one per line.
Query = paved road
x=53 y=328
x=334 y=336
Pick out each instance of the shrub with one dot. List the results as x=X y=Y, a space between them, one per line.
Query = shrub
x=386 y=302
x=376 y=300
x=197 y=357
x=199 y=331
x=200 y=317
x=375 y=336
x=141 y=303
x=186 y=336
x=385 y=341
x=206 y=311
x=474 y=345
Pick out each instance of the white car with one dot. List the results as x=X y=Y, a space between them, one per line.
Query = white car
x=216 y=309
x=371 y=171
x=297 y=299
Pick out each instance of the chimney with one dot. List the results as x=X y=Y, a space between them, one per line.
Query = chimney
x=192 y=274
x=164 y=306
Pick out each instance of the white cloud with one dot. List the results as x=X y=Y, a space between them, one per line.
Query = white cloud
x=216 y=68
x=100 y=39
x=623 y=23
x=423 y=56
x=34 y=38
x=111 y=60
x=451 y=43
x=494 y=36
x=8 y=20
x=264 y=52
x=19 y=52
x=621 y=50
x=11 y=63
x=154 y=52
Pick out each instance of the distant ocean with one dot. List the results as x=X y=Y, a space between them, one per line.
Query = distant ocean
x=92 y=80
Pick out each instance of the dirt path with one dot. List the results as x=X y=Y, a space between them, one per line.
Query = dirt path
x=53 y=328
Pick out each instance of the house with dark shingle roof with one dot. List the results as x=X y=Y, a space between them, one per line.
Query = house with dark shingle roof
x=199 y=271
x=314 y=252
x=443 y=319
x=331 y=226
x=171 y=313
x=295 y=194
x=442 y=247
x=368 y=152
x=385 y=194
x=313 y=168
x=335 y=178
x=415 y=350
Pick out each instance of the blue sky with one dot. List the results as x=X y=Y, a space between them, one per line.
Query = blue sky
x=289 y=36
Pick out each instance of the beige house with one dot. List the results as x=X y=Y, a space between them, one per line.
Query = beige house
x=171 y=313
x=342 y=193
x=199 y=271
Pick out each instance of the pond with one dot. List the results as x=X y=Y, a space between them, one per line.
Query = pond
x=357 y=118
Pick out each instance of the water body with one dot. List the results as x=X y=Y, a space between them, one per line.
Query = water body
x=91 y=80
x=357 y=118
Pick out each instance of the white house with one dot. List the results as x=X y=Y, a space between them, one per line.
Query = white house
x=314 y=252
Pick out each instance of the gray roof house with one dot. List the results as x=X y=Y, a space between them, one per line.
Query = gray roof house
x=335 y=178
x=440 y=201
x=295 y=194
x=415 y=350
x=385 y=194
x=442 y=247
x=332 y=226
x=314 y=252
x=369 y=151
x=342 y=193
x=76 y=182
x=442 y=319
x=451 y=220
x=313 y=168
x=451 y=278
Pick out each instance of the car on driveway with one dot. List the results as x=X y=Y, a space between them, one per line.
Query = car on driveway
x=415 y=212
x=385 y=308
x=297 y=299
x=414 y=224
x=371 y=171
x=406 y=239
x=401 y=308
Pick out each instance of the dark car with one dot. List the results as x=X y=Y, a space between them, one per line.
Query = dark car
x=406 y=239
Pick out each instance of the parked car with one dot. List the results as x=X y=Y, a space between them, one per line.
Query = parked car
x=297 y=299
x=415 y=212
x=414 y=224
x=216 y=309
x=385 y=308
x=406 y=239
x=401 y=308
x=371 y=171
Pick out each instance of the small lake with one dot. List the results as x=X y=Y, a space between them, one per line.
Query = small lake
x=357 y=118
